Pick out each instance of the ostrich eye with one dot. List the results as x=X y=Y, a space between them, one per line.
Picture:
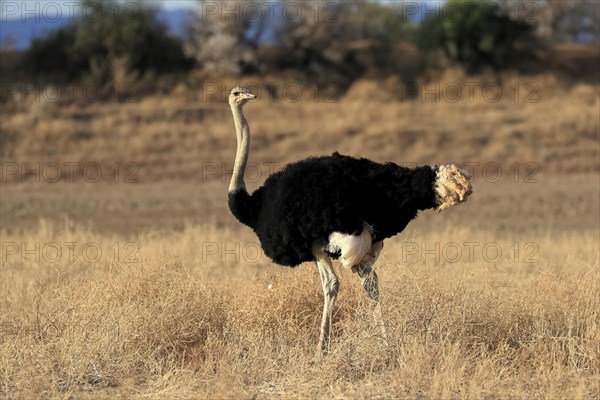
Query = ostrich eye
x=236 y=93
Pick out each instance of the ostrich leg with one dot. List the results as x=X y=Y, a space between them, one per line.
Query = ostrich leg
x=370 y=282
x=330 y=283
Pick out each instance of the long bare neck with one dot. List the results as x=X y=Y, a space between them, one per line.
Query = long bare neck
x=242 y=131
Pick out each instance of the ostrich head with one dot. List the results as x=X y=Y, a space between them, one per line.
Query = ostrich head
x=240 y=96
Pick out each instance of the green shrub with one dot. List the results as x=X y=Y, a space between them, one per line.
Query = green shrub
x=476 y=35
x=118 y=44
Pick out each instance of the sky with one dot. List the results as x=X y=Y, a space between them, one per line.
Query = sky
x=178 y=4
x=23 y=20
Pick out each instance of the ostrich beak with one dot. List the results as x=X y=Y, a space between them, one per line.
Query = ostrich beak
x=249 y=96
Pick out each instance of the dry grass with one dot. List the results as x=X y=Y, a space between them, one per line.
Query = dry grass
x=165 y=313
x=181 y=135
x=163 y=325
x=158 y=292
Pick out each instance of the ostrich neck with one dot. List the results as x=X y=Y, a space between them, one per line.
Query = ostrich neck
x=242 y=131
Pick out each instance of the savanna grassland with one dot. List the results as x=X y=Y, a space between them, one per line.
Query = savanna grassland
x=138 y=283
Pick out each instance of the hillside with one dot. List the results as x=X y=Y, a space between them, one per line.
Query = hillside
x=181 y=134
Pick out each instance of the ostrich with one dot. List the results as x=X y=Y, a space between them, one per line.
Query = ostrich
x=337 y=206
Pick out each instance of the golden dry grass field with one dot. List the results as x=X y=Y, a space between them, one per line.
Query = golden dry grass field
x=128 y=277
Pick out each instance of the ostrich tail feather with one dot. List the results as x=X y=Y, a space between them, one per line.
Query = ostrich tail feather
x=452 y=186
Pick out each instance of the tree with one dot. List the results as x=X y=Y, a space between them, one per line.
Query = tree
x=315 y=36
x=572 y=21
x=475 y=34
x=341 y=41
x=118 y=43
x=219 y=38
x=382 y=30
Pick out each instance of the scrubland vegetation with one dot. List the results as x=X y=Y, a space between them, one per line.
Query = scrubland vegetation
x=199 y=312
x=141 y=284
x=188 y=131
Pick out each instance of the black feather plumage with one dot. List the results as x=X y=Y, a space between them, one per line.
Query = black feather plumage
x=310 y=199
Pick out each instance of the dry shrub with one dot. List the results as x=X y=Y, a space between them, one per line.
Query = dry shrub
x=130 y=324
x=165 y=325
x=281 y=309
x=390 y=89
x=176 y=136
